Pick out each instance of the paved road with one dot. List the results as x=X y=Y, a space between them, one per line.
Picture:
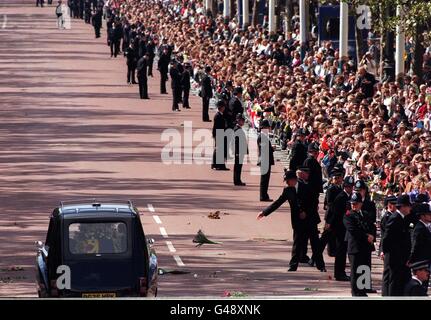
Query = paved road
x=72 y=128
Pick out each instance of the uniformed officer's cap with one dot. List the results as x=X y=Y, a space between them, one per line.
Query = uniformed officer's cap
x=265 y=124
x=220 y=104
x=348 y=181
x=420 y=265
x=237 y=90
x=336 y=173
x=356 y=198
x=422 y=208
x=390 y=199
x=421 y=197
x=304 y=169
x=313 y=147
x=360 y=184
x=289 y=174
x=403 y=200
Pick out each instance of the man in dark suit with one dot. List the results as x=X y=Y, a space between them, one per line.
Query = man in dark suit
x=240 y=149
x=175 y=85
x=397 y=248
x=418 y=284
x=131 y=63
x=266 y=159
x=296 y=193
x=151 y=48
x=391 y=209
x=299 y=151
x=163 y=67
x=360 y=241
x=334 y=222
x=421 y=242
x=185 y=83
x=235 y=106
x=334 y=189
x=218 y=133
x=206 y=94
x=142 y=76
x=96 y=20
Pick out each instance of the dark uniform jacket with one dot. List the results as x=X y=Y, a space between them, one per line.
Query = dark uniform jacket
x=185 y=80
x=141 y=67
x=357 y=231
x=337 y=210
x=331 y=193
x=206 y=87
x=383 y=223
x=219 y=123
x=396 y=240
x=297 y=200
x=131 y=57
x=298 y=156
x=421 y=243
x=315 y=180
x=241 y=146
x=175 y=78
x=415 y=289
x=235 y=107
x=163 y=63
x=263 y=142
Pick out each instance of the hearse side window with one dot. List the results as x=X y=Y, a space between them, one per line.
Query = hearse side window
x=98 y=238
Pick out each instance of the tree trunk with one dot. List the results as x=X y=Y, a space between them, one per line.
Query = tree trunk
x=419 y=52
x=255 y=13
x=289 y=15
x=233 y=8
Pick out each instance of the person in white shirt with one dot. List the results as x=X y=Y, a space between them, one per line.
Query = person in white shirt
x=59 y=13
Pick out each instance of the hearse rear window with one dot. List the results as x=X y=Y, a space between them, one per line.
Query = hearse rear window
x=98 y=238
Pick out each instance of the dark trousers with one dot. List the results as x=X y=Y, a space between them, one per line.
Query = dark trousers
x=97 y=31
x=186 y=93
x=299 y=242
x=39 y=2
x=313 y=235
x=385 y=281
x=237 y=169
x=357 y=260
x=328 y=239
x=398 y=276
x=176 y=98
x=163 y=79
x=264 y=184
x=131 y=74
x=219 y=148
x=143 y=86
x=150 y=66
x=115 y=48
x=205 y=108
x=340 y=254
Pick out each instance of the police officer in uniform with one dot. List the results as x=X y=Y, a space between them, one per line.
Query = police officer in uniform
x=163 y=67
x=240 y=149
x=370 y=207
x=131 y=64
x=360 y=241
x=421 y=241
x=335 y=223
x=96 y=20
x=220 y=147
x=391 y=209
x=142 y=76
x=266 y=159
x=299 y=151
x=206 y=94
x=418 y=284
x=176 y=85
x=185 y=82
x=296 y=193
x=397 y=247
x=235 y=106
x=335 y=188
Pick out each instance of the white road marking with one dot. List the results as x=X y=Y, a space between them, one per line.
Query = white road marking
x=151 y=208
x=157 y=219
x=178 y=260
x=4 y=21
x=171 y=246
x=163 y=232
